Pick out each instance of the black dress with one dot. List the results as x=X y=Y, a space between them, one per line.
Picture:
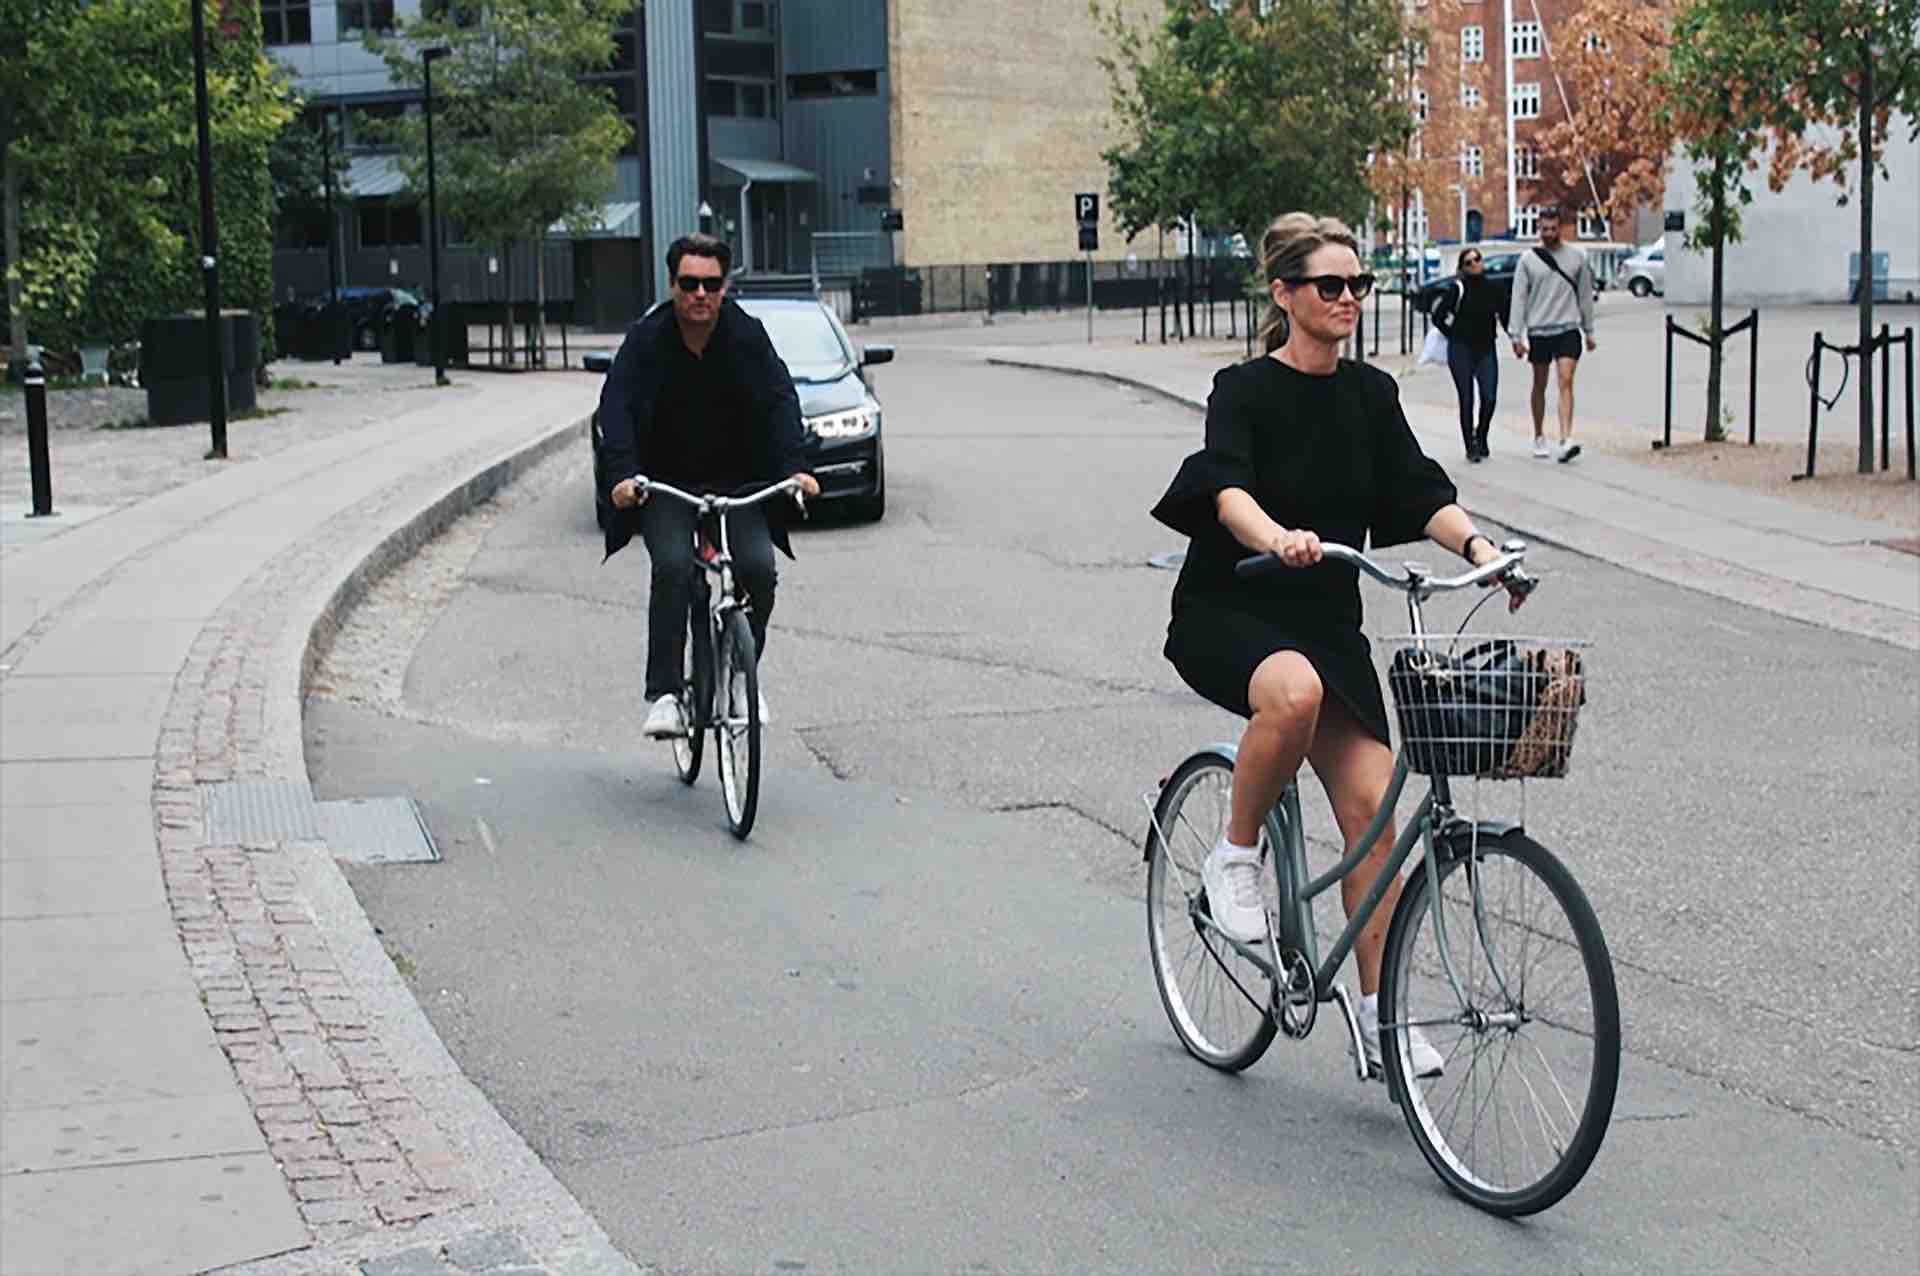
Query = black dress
x=1331 y=454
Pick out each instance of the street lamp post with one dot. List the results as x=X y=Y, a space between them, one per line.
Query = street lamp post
x=335 y=323
x=427 y=58
x=216 y=361
x=1461 y=189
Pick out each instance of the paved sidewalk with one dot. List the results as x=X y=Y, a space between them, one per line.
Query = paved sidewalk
x=1825 y=569
x=207 y=1059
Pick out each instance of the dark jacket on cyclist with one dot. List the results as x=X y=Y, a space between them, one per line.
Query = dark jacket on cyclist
x=716 y=423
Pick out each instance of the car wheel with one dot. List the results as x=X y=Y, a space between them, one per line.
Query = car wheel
x=1639 y=287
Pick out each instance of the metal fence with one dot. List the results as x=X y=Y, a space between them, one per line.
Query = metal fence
x=1003 y=287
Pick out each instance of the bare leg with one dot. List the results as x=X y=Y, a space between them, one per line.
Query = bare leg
x=1285 y=695
x=1355 y=769
x=1565 y=368
x=1538 y=402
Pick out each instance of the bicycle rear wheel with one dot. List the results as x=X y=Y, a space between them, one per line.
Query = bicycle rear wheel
x=1215 y=998
x=695 y=698
x=1532 y=1057
x=737 y=723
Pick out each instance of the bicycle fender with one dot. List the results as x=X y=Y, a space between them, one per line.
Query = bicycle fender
x=1228 y=753
x=1457 y=838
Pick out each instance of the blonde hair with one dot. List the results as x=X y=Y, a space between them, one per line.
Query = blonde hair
x=1284 y=248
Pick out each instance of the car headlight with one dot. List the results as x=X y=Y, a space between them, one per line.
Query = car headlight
x=845 y=425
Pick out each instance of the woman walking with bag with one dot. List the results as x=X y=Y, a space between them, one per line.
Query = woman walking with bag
x=1466 y=313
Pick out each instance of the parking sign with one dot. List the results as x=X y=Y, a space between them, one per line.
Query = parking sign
x=1086 y=209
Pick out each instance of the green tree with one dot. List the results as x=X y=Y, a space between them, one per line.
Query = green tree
x=21 y=115
x=520 y=144
x=1848 y=67
x=109 y=223
x=1232 y=114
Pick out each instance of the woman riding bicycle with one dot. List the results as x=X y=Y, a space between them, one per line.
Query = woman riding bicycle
x=1302 y=446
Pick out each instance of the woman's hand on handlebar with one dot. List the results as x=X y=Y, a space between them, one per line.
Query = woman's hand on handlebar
x=1296 y=548
x=627 y=494
x=1518 y=584
x=809 y=485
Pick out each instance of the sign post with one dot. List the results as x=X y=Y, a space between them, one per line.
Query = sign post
x=1086 y=214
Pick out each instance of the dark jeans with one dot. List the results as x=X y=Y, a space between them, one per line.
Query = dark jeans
x=1469 y=370
x=668 y=525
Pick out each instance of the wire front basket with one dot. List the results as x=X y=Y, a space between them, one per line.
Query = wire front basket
x=1494 y=708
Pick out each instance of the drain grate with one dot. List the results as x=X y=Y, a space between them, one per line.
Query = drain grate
x=386 y=830
x=261 y=811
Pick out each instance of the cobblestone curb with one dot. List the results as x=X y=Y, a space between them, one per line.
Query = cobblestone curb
x=389 y=1164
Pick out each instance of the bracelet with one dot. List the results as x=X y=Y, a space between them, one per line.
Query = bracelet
x=1466 y=549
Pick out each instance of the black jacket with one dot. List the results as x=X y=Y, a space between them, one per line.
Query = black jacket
x=632 y=391
x=1468 y=312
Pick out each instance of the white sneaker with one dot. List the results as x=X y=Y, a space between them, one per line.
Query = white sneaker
x=766 y=714
x=1540 y=449
x=664 y=719
x=1231 y=875
x=1568 y=451
x=1425 y=1059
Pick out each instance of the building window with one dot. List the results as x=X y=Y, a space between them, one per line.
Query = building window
x=1527 y=40
x=285 y=22
x=360 y=16
x=1526 y=163
x=716 y=16
x=385 y=225
x=1419 y=53
x=834 y=84
x=720 y=98
x=737 y=17
x=1421 y=105
x=1526 y=222
x=1473 y=44
x=1470 y=97
x=1596 y=43
x=747 y=99
x=1473 y=162
x=1526 y=101
x=1592 y=224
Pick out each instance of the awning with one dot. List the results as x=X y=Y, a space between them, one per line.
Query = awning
x=617 y=221
x=732 y=172
x=372 y=176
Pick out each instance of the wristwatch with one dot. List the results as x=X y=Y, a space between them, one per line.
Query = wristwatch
x=1466 y=549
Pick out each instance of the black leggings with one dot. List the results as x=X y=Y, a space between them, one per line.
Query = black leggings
x=1469 y=370
x=667 y=525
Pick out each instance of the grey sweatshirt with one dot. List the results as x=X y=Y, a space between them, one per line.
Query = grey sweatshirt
x=1543 y=304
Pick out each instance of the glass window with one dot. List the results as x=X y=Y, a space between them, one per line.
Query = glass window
x=622 y=52
x=1526 y=223
x=834 y=84
x=1421 y=105
x=753 y=17
x=405 y=225
x=753 y=100
x=1526 y=162
x=1592 y=224
x=803 y=338
x=720 y=97
x=1470 y=97
x=1473 y=162
x=1527 y=40
x=285 y=22
x=1473 y=44
x=357 y=16
x=1526 y=101
x=716 y=16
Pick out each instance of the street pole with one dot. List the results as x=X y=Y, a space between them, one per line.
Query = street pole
x=39 y=466
x=209 y=248
x=1506 y=63
x=427 y=59
x=1089 y=298
x=335 y=321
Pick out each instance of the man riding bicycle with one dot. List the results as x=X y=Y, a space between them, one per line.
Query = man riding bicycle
x=697 y=397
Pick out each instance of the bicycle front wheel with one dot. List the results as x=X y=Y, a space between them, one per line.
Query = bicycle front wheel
x=1215 y=998
x=737 y=723
x=1527 y=1024
x=694 y=696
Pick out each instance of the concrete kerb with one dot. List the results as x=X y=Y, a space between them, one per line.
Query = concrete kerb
x=518 y=1193
x=1620 y=547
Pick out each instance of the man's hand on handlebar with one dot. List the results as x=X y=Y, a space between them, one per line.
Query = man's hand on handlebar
x=628 y=493
x=1296 y=548
x=809 y=485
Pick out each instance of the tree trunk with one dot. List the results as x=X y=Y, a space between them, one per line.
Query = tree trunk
x=16 y=310
x=1866 y=262
x=1716 y=322
x=539 y=298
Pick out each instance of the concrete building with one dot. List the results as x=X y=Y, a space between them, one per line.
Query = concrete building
x=1801 y=245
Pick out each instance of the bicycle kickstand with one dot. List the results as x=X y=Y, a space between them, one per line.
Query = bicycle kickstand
x=1352 y=1019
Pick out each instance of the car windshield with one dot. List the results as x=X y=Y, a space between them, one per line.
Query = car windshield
x=804 y=338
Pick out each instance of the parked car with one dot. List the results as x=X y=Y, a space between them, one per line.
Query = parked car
x=838 y=408
x=367 y=311
x=1646 y=271
x=1500 y=268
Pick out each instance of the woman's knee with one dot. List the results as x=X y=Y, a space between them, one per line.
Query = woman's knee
x=1287 y=691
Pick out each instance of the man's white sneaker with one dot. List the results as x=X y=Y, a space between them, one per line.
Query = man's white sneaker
x=664 y=719
x=1568 y=451
x=1231 y=875
x=1540 y=449
x=1426 y=1060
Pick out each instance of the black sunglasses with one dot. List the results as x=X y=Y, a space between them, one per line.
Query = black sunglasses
x=1469 y=261
x=1329 y=286
x=699 y=283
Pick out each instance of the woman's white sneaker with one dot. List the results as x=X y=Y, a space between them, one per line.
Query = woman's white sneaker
x=1425 y=1060
x=1231 y=875
x=664 y=719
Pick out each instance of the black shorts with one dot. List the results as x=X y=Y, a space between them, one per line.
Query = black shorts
x=1562 y=345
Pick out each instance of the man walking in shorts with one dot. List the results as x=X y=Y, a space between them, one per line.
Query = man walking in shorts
x=1552 y=311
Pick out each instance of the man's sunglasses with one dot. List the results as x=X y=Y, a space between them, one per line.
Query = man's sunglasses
x=1330 y=286
x=700 y=283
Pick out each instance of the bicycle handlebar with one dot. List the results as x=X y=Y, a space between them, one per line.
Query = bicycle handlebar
x=1505 y=568
x=721 y=504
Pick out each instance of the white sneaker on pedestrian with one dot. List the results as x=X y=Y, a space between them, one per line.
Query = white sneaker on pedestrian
x=664 y=719
x=1540 y=449
x=1426 y=1060
x=1231 y=875
x=1568 y=451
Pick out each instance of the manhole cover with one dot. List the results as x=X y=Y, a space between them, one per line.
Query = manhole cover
x=1169 y=562
x=271 y=811
x=385 y=830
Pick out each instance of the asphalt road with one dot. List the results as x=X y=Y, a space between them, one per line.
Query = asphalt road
x=911 y=1026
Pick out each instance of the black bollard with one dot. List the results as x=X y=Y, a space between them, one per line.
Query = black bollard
x=37 y=459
